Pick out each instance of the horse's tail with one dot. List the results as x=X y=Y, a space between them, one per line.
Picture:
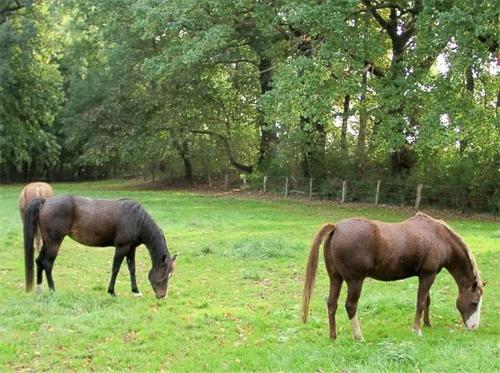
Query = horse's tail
x=312 y=265
x=30 y=228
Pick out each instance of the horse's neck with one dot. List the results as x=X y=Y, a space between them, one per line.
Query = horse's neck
x=155 y=243
x=460 y=266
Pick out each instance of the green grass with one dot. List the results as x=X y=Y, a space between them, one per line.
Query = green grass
x=234 y=301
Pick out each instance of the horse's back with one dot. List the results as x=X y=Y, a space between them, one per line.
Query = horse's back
x=386 y=251
x=93 y=222
x=37 y=189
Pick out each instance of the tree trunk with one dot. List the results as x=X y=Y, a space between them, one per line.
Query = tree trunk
x=469 y=80
x=313 y=163
x=469 y=86
x=268 y=136
x=400 y=27
x=345 y=119
x=363 y=120
x=186 y=158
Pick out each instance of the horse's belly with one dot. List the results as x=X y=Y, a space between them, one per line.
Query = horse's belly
x=396 y=270
x=391 y=276
x=92 y=237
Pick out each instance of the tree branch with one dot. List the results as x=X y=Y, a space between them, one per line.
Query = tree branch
x=225 y=142
x=373 y=10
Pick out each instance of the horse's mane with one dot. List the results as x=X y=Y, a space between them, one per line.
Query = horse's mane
x=151 y=233
x=462 y=245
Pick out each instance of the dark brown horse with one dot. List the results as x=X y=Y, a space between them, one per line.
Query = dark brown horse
x=122 y=223
x=420 y=246
x=37 y=189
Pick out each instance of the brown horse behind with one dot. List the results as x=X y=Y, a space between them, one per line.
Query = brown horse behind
x=420 y=246
x=37 y=189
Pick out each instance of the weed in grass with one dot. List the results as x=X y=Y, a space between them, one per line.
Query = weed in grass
x=251 y=275
x=206 y=251
x=265 y=249
x=397 y=354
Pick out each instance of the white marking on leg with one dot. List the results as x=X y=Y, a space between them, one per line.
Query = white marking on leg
x=39 y=288
x=418 y=332
x=473 y=321
x=356 y=329
x=139 y=294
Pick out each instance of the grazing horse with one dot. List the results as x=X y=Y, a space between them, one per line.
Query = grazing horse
x=122 y=223
x=37 y=189
x=419 y=246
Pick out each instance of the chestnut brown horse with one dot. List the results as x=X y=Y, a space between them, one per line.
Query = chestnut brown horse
x=420 y=246
x=37 y=189
x=122 y=223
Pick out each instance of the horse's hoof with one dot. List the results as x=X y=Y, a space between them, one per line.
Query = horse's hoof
x=359 y=339
x=112 y=293
x=138 y=294
x=417 y=332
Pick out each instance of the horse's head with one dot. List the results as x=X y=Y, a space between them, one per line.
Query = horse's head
x=469 y=304
x=160 y=274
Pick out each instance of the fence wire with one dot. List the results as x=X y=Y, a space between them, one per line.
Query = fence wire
x=358 y=191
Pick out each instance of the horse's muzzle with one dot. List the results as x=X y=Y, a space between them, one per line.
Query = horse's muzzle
x=472 y=327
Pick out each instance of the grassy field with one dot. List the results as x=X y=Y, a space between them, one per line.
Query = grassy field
x=234 y=300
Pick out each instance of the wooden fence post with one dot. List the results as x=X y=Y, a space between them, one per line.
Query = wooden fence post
x=286 y=186
x=226 y=181
x=209 y=181
x=310 y=187
x=419 y=196
x=344 y=190
x=264 y=185
x=377 y=192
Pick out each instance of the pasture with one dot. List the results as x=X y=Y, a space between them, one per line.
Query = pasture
x=235 y=296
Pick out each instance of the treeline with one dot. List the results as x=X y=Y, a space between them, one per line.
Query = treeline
x=395 y=90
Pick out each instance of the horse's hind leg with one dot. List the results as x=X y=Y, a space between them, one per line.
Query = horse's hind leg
x=131 y=270
x=120 y=253
x=39 y=268
x=335 y=287
x=427 y=319
x=45 y=261
x=351 y=305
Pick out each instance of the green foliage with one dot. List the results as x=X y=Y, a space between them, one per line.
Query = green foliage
x=207 y=86
x=30 y=90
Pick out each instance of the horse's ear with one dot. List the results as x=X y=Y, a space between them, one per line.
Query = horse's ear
x=484 y=283
x=173 y=257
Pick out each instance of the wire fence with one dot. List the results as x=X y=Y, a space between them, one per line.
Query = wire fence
x=374 y=192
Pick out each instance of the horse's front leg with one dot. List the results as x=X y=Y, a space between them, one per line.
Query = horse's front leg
x=424 y=285
x=131 y=270
x=120 y=253
x=351 y=306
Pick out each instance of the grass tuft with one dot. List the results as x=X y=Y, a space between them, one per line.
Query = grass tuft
x=265 y=249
